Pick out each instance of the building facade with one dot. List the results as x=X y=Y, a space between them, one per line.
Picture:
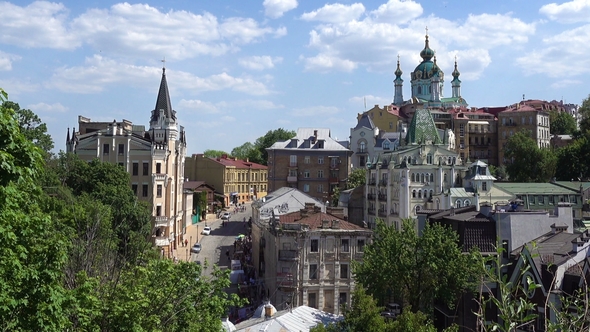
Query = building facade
x=309 y=256
x=154 y=159
x=312 y=162
x=236 y=180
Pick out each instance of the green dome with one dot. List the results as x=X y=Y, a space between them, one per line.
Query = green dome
x=427 y=69
x=427 y=53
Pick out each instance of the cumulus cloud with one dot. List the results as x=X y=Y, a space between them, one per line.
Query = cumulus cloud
x=323 y=62
x=259 y=62
x=556 y=56
x=335 y=13
x=204 y=107
x=276 y=8
x=6 y=60
x=397 y=11
x=568 y=12
x=98 y=72
x=315 y=111
x=565 y=83
x=40 y=24
x=48 y=108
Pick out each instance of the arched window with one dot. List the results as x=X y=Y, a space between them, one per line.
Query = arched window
x=431 y=177
x=449 y=161
x=429 y=159
x=418 y=208
x=413 y=177
x=422 y=178
x=431 y=192
x=458 y=203
x=386 y=145
x=445 y=177
x=414 y=193
x=363 y=146
x=454 y=160
x=419 y=90
x=466 y=202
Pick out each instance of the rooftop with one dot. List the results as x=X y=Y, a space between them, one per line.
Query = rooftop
x=300 y=319
x=523 y=188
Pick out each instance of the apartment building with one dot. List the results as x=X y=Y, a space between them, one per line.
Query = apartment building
x=154 y=159
x=312 y=162
x=522 y=117
x=307 y=256
x=236 y=180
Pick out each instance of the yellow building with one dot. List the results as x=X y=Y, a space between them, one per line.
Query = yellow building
x=237 y=180
x=154 y=158
x=386 y=118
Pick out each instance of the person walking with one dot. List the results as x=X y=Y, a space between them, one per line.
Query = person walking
x=185 y=242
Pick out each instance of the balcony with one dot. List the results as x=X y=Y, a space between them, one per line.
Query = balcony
x=371 y=196
x=382 y=213
x=285 y=282
x=372 y=211
x=361 y=151
x=288 y=255
x=160 y=177
x=333 y=179
x=292 y=164
x=291 y=179
x=372 y=182
x=382 y=197
x=334 y=166
x=161 y=221
x=162 y=241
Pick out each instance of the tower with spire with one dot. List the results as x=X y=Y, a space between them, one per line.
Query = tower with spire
x=456 y=82
x=154 y=159
x=398 y=84
x=427 y=78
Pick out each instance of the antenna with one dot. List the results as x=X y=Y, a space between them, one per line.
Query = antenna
x=365 y=100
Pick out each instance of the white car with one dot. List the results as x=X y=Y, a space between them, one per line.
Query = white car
x=196 y=248
x=225 y=216
x=206 y=230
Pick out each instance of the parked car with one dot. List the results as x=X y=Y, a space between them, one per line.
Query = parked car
x=196 y=248
x=225 y=216
x=206 y=230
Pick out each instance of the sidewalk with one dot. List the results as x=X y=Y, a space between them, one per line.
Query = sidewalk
x=193 y=235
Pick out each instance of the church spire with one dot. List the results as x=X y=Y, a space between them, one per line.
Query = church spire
x=398 y=97
x=427 y=53
x=456 y=82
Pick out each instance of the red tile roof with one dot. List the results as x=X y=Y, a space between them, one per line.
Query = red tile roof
x=237 y=163
x=314 y=220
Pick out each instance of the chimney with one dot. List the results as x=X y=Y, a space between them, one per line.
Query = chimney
x=335 y=224
x=325 y=224
x=315 y=134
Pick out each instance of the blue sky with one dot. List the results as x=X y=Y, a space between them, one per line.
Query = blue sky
x=237 y=69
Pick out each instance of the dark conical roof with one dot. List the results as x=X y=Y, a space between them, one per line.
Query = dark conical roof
x=163 y=101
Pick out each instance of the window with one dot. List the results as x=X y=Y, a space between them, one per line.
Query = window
x=144 y=190
x=306 y=174
x=540 y=199
x=360 y=245
x=313 y=271
x=345 y=245
x=343 y=271
x=320 y=160
x=293 y=160
x=342 y=298
x=121 y=164
x=159 y=190
x=462 y=130
x=306 y=188
x=386 y=145
x=306 y=160
x=315 y=245
x=311 y=301
x=105 y=149
x=134 y=189
x=146 y=168
x=135 y=168
x=551 y=199
x=158 y=168
x=121 y=149
x=320 y=188
x=320 y=173
x=484 y=186
x=330 y=245
x=158 y=210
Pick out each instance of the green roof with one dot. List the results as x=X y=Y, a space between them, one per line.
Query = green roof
x=422 y=129
x=522 y=188
x=574 y=185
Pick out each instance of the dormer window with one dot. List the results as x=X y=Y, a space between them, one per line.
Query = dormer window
x=320 y=144
x=386 y=145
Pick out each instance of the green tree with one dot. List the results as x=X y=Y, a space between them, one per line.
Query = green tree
x=214 y=153
x=31 y=126
x=420 y=269
x=247 y=151
x=562 y=123
x=270 y=138
x=32 y=249
x=528 y=163
x=356 y=178
x=572 y=160
x=584 y=112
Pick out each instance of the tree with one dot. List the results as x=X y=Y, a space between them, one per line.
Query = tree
x=562 y=123
x=356 y=178
x=246 y=151
x=270 y=138
x=584 y=112
x=31 y=126
x=215 y=153
x=32 y=249
x=529 y=163
x=420 y=269
x=572 y=160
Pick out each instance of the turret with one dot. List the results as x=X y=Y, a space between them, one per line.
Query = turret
x=456 y=82
x=398 y=85
x=163 y=120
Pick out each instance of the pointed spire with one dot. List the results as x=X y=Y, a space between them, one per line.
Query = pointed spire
x=68 y=136
x=456 y=72
x=398 y=71
x=73 y=134
x=163 y=100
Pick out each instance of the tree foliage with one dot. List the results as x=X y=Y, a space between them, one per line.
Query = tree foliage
x=270 y=138
x=584 y=112
x=562 y=123
x=529 y=163
x=214 y=153
x=247 y=151
x=420 y=269
x=32 y=127
x=356 y=178
x=572 y=160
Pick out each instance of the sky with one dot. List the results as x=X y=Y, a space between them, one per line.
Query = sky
x=237 y=69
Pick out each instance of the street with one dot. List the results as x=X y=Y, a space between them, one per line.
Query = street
x=215 y=245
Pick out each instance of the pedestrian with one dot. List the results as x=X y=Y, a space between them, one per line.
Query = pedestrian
x=185 y=242
x=227 y=253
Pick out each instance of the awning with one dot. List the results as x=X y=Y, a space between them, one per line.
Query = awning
x=478 y=122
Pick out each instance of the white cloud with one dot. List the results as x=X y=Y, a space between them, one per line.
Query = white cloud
x=323 y=62
x=40 y=24
x=6 y=60
x=335 y=13
x=565 y=83
x=202 y=107
x=397 y=11
x=556 y=56
x=48 y=108
x=99 y=72
x=568 y=12
x=276 y=8
x=205 y=107
x=370 y=100
x=315 y=111
x=259 y=62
